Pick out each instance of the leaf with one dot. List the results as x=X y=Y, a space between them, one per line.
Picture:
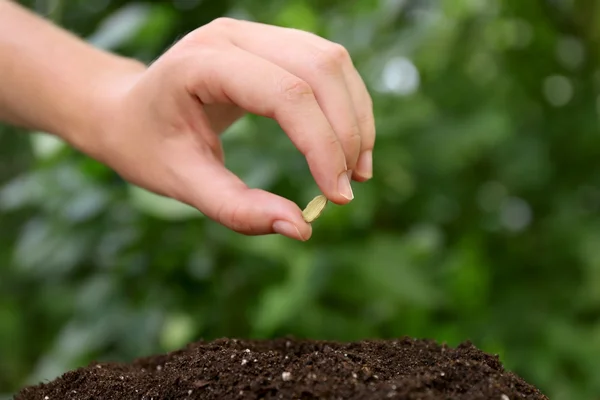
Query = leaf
x=161 y=207
x=120 y=26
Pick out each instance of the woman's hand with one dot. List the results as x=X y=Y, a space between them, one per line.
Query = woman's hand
x=159 y=128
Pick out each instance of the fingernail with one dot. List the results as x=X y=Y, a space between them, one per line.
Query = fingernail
x=344 y=186
x=365 y=164
x=288 y=229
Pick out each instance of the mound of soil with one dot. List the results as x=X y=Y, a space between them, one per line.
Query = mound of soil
x=296 y=369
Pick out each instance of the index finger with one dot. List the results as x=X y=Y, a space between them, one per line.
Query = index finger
x=233 y=75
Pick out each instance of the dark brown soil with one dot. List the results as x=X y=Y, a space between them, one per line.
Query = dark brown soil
x=296 y=369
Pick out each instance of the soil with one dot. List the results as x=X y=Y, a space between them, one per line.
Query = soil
x=287 y=368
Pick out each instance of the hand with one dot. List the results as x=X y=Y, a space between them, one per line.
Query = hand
x=159 y=127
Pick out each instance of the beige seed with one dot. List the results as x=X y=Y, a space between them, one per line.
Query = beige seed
x=314 y=209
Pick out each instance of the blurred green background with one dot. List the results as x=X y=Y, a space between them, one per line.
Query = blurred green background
x=481 y=221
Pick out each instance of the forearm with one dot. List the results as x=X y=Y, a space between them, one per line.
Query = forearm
x=50 y=80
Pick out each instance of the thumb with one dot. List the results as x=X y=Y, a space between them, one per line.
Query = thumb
x=225 y=198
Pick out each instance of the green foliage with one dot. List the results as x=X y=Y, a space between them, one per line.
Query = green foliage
x=481 y=222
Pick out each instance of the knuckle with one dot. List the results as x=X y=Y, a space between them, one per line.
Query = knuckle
x=295 y=89
x=365 y=120
x=333 y=142
x=223 y=23
x=329 y=144
x=195 y=75
x=351 y=144
x=369 y=102
x=339 y=53
x=353 y=139
x=213 y=31
x=332 y=58
x=333 y=145
x=231 y=216
x=205 y=35
x=367 y=123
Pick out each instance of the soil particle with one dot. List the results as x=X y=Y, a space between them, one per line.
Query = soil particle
x=403 y=369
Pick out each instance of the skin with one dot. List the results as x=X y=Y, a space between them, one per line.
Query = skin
x=159 y=126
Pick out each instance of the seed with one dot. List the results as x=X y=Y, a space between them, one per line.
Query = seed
x=314 y=209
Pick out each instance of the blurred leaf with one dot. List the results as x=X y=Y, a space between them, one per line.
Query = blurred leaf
x=177 y=332
x=46 y=146
x=299 y=15
x=121 y=26
x=160 y=206
x=282 y=302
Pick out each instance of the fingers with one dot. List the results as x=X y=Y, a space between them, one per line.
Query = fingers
x=323 y=72
x=328 y=69
x=263 y=88
x=223 y=197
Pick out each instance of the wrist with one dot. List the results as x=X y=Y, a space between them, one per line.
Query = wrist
x=96 y=104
